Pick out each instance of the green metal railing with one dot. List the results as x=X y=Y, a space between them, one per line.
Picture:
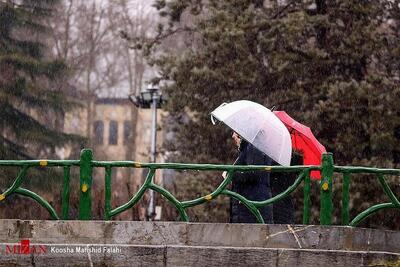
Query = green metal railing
x=86 y=164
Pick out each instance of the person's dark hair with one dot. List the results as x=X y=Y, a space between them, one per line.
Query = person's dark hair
x=243 y=144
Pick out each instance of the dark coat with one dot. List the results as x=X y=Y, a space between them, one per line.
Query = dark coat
x=280 y=181
x=283 y=209
x=253 y=185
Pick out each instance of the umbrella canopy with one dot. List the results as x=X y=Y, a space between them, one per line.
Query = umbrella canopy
x=258 y=126
x=303 y=141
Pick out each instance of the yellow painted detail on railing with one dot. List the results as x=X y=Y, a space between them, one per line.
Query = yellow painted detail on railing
x=2 y=197
x=325 y=186
x=137 y=164
x=268 y=168
x=208 y=197
x=84 y=188
x=43 y=163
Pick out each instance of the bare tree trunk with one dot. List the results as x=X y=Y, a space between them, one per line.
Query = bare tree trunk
x=90 y=106
x=131 y=149
x=89 y=122
x=67 y=30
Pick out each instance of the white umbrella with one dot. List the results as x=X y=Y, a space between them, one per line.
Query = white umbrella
x=258 y=126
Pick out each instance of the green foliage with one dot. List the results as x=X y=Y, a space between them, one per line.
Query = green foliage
x=32 y=101
x=333 y=65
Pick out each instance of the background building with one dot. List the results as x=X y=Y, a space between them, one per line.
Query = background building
x=120 y=131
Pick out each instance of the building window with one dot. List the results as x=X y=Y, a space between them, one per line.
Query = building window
x=127 y=132
x=113 y=134
x=98 y=129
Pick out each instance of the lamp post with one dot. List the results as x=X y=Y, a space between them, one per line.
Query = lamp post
x=150 y=98
x=154 y=100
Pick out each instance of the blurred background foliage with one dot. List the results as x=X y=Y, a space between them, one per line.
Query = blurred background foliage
x=32 y=95
x=332 y=65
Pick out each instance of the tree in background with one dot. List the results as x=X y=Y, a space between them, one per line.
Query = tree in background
x=31 y=95
x=330 y=64
x=86 y=35
x=31 y=100
x=81 y=37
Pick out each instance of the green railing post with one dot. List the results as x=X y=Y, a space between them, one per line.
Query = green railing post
x=307 y=200
x=107 y=194
x=345 y=198
x=65 y=194
x=85 y=201
x=326 y=189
